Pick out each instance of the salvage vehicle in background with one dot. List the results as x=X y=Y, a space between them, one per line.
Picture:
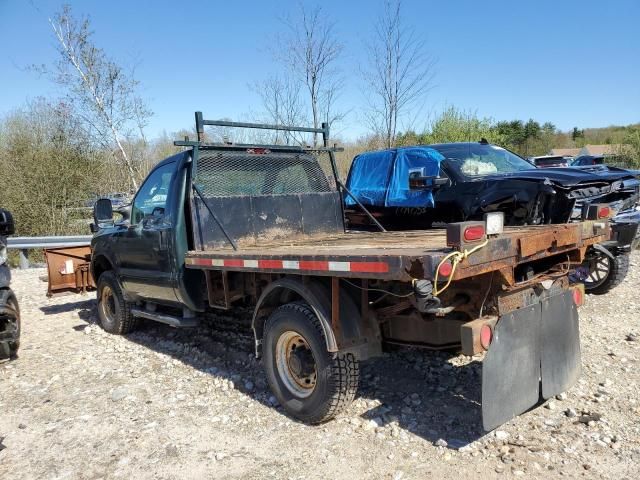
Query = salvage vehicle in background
x=222 y=225
x=547 y=161
x=416 y=187
x=9 y=309
x=587 y=160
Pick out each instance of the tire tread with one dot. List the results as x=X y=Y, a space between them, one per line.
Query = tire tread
x=126 y=323
x=619 y=270
x=345 y=371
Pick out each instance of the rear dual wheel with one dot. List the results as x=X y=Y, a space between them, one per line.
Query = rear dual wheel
x=311 y=383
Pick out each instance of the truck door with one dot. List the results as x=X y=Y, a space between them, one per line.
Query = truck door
x=144 y=247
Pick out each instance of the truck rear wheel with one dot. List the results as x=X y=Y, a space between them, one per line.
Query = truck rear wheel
x=114 y=312
x=312 y=384
x=606 y=273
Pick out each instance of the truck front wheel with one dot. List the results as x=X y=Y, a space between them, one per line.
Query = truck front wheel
x=114 y=312
x=312 y=384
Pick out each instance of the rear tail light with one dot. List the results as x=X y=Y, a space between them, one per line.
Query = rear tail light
x=486 y=335
x=464 y=235
x=604 y=212
x=445 y=269
x=597 y=211
x=474 y=233
x=578 y=295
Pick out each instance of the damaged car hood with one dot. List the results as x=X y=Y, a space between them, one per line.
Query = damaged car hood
x=543 y=195
x=569 y=176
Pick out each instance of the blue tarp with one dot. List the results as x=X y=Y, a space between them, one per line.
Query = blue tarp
x=382 y=178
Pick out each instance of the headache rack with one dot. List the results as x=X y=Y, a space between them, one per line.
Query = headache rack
x=201 y=123
x=212 y=152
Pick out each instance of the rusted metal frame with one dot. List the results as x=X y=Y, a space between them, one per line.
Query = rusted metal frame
x=228 y=296
x=210 y=289
x=483 y=263
x=532 y=244
x=82 y=277
x=525 y=295
x=77 y=257
x=78 y=280
x=504 y=266
x=335 y=309
x=225 y=290
x=424 y=345
x=393 y=310
x=364 y=303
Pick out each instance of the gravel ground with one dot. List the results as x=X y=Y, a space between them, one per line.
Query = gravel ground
x=164 y=404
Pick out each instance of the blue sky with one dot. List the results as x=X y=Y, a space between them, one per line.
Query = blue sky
x=574 y=63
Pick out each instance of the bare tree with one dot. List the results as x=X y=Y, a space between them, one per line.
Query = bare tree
x=281 y=101
x=399 y=72
x=312 y=52
x=102 y=93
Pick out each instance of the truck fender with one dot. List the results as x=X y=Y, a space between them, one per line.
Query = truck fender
x=99 y=265
x=285 y=290
x=603 y=249
x=102 y=263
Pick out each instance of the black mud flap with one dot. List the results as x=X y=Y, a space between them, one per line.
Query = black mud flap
x=560 y=358
x=535 y=352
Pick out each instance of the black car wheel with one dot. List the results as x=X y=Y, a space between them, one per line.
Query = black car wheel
x=9 y=325
x=114 y=312
x=312 y=384
x=606 y=273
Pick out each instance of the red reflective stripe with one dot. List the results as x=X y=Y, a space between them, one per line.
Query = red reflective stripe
x=379 y=267
x=318 y=265
x=269 y=263
x=234 y=262
x=313 y=265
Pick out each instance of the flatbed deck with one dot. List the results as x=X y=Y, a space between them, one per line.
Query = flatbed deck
x=397 y=255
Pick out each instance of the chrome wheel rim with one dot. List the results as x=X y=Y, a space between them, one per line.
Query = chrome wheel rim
x=295 y=364
x=598 y=271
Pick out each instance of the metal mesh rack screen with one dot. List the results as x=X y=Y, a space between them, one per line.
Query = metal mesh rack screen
x=255 y=172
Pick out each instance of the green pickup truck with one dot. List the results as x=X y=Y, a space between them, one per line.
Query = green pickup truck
x=222 y=225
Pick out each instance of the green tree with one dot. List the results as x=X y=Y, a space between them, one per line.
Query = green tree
x=101 y=93
x=50 y=170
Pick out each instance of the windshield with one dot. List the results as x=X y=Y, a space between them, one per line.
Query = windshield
x=476 y=159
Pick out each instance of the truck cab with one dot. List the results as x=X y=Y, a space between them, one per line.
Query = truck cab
x=148 y=246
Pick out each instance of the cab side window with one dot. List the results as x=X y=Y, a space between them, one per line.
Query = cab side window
x=153 y=193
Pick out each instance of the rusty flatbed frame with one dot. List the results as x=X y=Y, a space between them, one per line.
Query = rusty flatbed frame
x=400 y=256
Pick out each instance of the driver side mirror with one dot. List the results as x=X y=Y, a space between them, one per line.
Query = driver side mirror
x=102 y=213
x=418 y=181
